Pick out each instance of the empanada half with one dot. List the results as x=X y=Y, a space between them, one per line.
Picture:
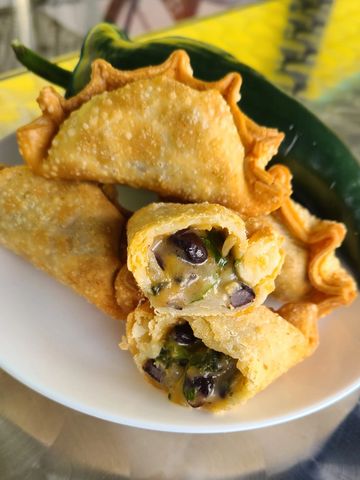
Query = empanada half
x=197 y=259
x=216 y=362
x=162 y=129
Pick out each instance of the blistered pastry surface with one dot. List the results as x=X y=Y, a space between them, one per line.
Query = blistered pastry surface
x=70 y=230
x=162 y=129
x=263 y=342
x=311 y=272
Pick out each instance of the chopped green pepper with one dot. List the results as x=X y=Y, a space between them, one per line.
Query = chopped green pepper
x=214 y=242
x=205 y=374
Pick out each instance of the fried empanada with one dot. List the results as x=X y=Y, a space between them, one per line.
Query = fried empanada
x=216 y=361
x=127 y=292
x=162 y=129
x=70 y=230
x=196 y=259
x=311 y=270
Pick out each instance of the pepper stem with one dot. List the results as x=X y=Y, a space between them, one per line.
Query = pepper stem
x=40 y=66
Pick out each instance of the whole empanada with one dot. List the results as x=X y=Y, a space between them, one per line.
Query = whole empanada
x=68 y=229
x=311 y=271
x=159 y=128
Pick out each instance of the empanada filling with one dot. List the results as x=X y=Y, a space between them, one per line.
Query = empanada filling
x=191 y=372
x=190 y=266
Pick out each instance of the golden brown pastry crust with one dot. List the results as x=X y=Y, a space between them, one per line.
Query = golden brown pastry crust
x=264 y=344
x=234 y=152
x=163 y=219
x=332 y=284
x=311 y=272
x=304 y=316
x=70 y=230
x=127 y=293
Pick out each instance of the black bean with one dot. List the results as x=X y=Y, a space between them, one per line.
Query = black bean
x=183 y=334
x=242 y=295
x=197 y=390
x=156 y=372
x=191 y=247
x=223 y=389
x=204 y=385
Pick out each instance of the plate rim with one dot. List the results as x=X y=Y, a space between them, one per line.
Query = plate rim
x=173 y=428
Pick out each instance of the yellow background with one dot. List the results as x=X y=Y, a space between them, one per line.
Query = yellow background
x=253 y=34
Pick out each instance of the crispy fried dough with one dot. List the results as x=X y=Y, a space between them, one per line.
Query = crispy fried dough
x=70 y=230
x=311 y=272
x=258 y=258
x=162 y=129
x=264 y=344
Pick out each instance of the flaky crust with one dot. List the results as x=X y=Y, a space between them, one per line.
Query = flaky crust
x=70 y=230
x=162 y=129
x=163 y=219
x=127 y=292
x=311 y=272
x=264 y=344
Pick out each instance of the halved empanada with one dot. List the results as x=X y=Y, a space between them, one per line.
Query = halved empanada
x=216 y=362
x=196 y=259
x=161 y=129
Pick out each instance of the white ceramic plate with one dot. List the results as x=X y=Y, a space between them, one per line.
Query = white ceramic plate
x=59 y=345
